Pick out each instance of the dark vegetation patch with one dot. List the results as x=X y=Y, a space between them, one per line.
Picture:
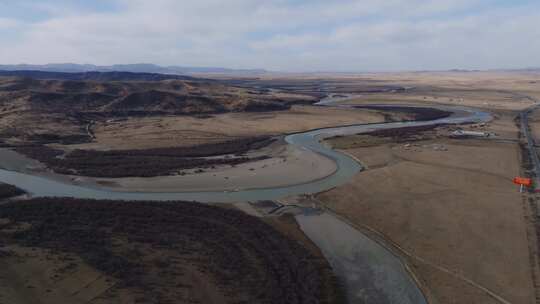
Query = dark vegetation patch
x=161 y=101
x=47 y=138
x=7 y=191
x=150 y=102
x=526 y=162
x=150 y=247
x=266 y=106
x=526 y=159
x=145 y=163
x=417 y=113
x=318 y=88
x=404 y=133
x=188 y=96
x=69 y=102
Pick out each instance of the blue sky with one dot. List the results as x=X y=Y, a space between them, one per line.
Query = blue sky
x=286 y=35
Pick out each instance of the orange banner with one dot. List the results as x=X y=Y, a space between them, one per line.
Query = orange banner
x=527 y=182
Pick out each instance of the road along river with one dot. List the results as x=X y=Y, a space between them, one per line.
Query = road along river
x=369 y=272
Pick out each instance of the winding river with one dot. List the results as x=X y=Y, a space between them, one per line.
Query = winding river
x=370 y=272
x=347 y=167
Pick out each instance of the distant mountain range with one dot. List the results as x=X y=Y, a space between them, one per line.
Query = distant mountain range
x=95 y=76
x=133 y=68
x=532 y=69
x=149 y=68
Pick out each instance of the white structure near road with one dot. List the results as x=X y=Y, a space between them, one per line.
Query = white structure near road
x=462 y=133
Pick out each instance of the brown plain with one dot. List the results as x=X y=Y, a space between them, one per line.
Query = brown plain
x=167 y=131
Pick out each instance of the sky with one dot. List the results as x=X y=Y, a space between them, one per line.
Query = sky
x=278 y=35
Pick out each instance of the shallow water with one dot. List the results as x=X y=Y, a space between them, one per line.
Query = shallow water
x=370 y=273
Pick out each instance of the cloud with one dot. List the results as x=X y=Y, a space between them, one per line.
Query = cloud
x=281 y=34
x=8 y=23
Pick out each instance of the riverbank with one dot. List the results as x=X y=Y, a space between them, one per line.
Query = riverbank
x=286 y=165
x=9 y=191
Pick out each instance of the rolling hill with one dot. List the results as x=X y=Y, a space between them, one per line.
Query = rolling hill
x=47 y=106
